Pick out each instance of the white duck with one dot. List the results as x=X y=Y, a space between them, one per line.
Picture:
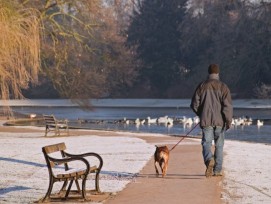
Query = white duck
x=189 y=122
x=151 y=120
x=125 y=121
x=142 y=122
x=183 y=119
x=170 y=121
x=259 y=123
x=32 y=115
x=137 y=121
x=196 y=119
x=163 y=119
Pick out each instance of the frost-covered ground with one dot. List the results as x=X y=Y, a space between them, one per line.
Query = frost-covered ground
x=247 y=173
x=24 y=176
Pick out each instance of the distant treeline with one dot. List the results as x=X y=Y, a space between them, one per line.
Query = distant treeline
x=176 y=42
x=154 y=49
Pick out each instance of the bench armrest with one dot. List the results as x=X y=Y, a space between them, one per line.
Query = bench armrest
x=87 y=155
x=70 y=159
x=62 y=121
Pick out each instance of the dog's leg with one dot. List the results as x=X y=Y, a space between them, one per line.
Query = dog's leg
x=157 y=172
x=165 y=168
x=162 y=164
x=156 y=159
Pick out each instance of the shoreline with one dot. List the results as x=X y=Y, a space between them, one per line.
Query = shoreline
x=130 y=103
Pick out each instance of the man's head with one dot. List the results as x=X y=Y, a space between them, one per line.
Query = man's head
x=213 y=69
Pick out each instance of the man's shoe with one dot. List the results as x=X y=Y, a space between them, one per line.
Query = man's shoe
x=218 y=174
x=210 y=165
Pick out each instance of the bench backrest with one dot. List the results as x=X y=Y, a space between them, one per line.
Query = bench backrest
x=49 y=119
x=54 y=148
x=60 y=147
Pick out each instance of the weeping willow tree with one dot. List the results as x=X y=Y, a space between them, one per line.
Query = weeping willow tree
x=19 y=49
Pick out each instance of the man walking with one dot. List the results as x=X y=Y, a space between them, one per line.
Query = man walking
x=212 y=103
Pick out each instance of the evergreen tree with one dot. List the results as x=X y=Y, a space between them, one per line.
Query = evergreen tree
x=155 y=35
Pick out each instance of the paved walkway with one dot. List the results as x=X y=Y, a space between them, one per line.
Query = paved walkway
x=184 y=183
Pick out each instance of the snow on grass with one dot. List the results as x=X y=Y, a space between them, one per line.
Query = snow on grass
x=24 y=175
x=247 y=173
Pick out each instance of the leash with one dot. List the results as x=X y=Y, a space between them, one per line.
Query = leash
x=183 y=137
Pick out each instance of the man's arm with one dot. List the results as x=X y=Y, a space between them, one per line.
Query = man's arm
x=227 y=107
x=195 y=102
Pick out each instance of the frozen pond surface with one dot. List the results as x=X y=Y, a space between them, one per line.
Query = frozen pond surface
x=107 y=112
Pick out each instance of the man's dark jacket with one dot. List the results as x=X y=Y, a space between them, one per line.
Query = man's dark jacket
x=212 y=103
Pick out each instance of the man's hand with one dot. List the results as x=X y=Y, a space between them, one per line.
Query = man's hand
x=228 y=126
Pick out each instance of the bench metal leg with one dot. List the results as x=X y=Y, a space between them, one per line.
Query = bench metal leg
x=63 y=188
x=46 y=130
x=97 y=182
x=56 y=131
x=68 y=190
x=47 y=196
x=84 y=188
x=77 y=185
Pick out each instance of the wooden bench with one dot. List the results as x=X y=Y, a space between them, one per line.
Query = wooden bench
x=52 y=124
x=60 y=171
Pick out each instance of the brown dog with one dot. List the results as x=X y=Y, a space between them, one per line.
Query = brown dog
x=161 y=156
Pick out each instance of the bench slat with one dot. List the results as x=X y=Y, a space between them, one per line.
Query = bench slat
x=71 y=173
x=54 y=148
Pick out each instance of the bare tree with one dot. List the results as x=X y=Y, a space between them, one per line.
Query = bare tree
x=19 y=48
x=84 y=54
